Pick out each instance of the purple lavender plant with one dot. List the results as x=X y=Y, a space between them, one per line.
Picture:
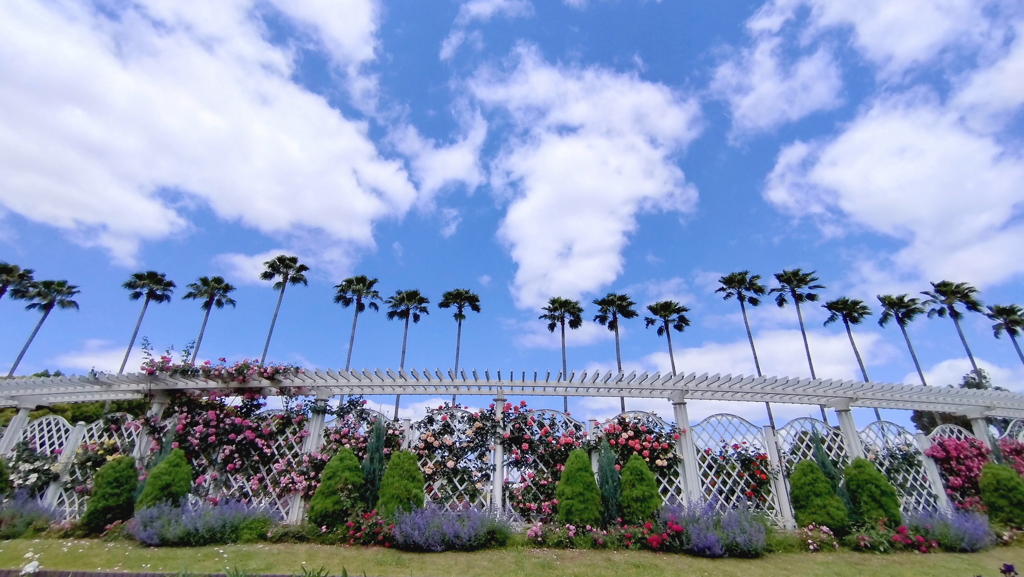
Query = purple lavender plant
x=700 y=534
x=198 y=524
x=434 y=529
x=22 y=514
x=958 y=530
x=744 y=533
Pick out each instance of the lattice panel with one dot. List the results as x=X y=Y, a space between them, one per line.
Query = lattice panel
x=1015 y=430
x=670 y=483
x=951 y=432
x=532 y=474
x=47 y=434
x=894 y=451
x=452 y=447
x=796 y=442
x=729 y=451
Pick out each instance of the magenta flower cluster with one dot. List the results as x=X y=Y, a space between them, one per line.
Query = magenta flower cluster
x=960 y=463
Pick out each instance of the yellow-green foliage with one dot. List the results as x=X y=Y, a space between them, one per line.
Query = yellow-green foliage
x=1002 y=491
x=113 y=495
x=813 y=499
x=872 y=496
x=339 y=493
x=640 y=499
x=401 y=489
x=579 y=500
x=170 y=481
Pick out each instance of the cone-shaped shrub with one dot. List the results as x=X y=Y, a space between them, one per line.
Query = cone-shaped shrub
x=401 y=489
x=339 y=494
x=5 y=478
x=827 y=467
x=1002 y=492
x=608 y=482
x=113 y=495
x=640 y=498
x=813 y=499
x=872 y=496
x=168 y=482
x=579 y=499
x=374 y=463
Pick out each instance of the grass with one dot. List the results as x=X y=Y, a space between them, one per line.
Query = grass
x=93 y=555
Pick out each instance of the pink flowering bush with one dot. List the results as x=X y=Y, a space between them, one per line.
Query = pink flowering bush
x=635 y=434
x=748 y=463
x=241 y=372
x=960 y=464
x=1013 y=454
x=454 y=447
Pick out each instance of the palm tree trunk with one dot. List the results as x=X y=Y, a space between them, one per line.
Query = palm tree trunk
x=963 y=340
x=401 y=363
x=565 y=372
x=618 y=363
x=671 y=355
x=131 y=343
x=273 y=321
x=1017 y=346
x=21 y=355
x=757 y=363
x=202 y=330
x=458 y=348
x=352 y=338
x=913 y=355
x=807 y=349
x=860 y=361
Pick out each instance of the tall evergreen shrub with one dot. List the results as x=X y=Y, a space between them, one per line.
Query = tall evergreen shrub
x=640 y=497
x=113 y=495
x=170 y=481
x=871 y=494
x=401 y=489
x=814 y=501
x=609 y=484
x=1002 y=492
x=833 y=475
x=339 y=493
x=579 y=499
x=374 y=463
x=5 y=479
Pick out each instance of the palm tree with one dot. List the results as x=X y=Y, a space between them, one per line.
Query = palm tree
x=903 y=308
x=151 y=286
x=214 y=293
x=357 y=290
x=559 y=313
x=15 y=279
x=668 y=314
x=610 y=309
x=45 y=296
x=798 y=285
x=406 y=305
x=289 y=271
x=1009 y=318
x=460 y=299
x=852 y=312
x=746 y=289
x=944 y=297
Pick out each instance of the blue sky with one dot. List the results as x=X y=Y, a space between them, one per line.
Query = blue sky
x=521 y=150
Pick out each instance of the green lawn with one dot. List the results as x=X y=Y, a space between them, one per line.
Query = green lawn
x=92 y=555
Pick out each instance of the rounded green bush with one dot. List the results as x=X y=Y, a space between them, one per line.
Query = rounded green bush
x=872 y=496
x=113 y=495
x=813 y=499
x=640 y=499
x=401 y=488
x=5 y=478
x=339 y=493
x=169 y=481
x=579 y=500
x=1002 y=492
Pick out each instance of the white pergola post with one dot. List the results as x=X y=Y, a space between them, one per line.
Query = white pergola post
x=145 y=441
x=64 y=462
x=779 y=487
x=932 y=470
x=498 y=479
x=314 y=430
x=979 y=425
x=14 y=430
x=595 y=432
x=848 y=428
x=688 y=452
x=408 y=435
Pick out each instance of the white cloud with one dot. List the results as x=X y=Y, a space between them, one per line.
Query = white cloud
x=593 y=149
x=763 y=92
x=164 y=100
x=473 y=11
x=485 y=280
x=990 y=95
x=246 y=268
x=952 y=371
x=435 y=167
x=450 y=218
x=102 y=355
x=535 y=335
x=672 y=289
x=909 y=170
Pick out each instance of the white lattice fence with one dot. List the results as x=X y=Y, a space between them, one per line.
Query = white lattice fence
x=733 y=464
x=453 y=450
x=1015 y=431
x=662 y=459
x=950 y=431
x=48 y=434
x=797 y=439
x=894 y=451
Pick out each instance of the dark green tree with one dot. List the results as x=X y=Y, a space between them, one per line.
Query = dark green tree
x=640 y=497
x=579 y=499
x=15 y=279
x=113 y=496
x=357 y=290
x=1002 y=492
x=851 y=312
x=401 y=489
x=168 y=482
x=45 y=295
x=406 y=305
x=340 y=493
x=559 y=313
x=903 y=309
x=151 y=286
x=460 y=299
x=374 y=464
x=668 y=315
x=214 y=293
x=800 y=287
x=608 y=481
x=943 y=300
x=1009 y=319
x=872 y=496
x=814 y=500
x=287 y=270
x=747 y=289
x=5 y=479
x=611 y=308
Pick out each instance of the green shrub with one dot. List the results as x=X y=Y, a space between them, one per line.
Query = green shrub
x=113 y=496
x=339 y=493
x=5 y=479
x=401 y=488
x=255 y=529
x=374 y=463
x=828 y=467
x=814 y=502
x=1002 y=492
x=608 y=480
x=579 y=500
x=169 y=481
x=640 y=498
x=872 y=496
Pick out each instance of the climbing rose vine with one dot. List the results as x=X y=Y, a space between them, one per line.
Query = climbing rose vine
x=960 y=463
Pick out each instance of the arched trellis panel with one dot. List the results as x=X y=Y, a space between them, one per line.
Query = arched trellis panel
x=48 y=435
x=453 y=448
x=797 y=440
x=894 y=451
x=654 y=436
